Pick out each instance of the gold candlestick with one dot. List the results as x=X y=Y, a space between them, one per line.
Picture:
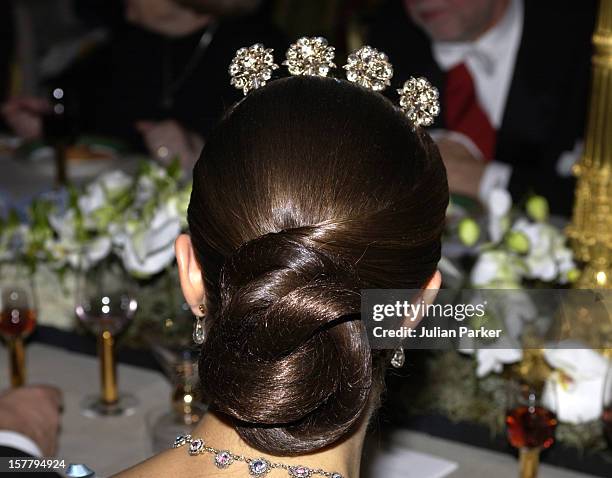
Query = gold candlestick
x=529 y=459
x=108 y=370
x=17 y=361
x=591 y=229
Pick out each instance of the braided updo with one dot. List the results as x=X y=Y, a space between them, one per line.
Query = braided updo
x=308 y=191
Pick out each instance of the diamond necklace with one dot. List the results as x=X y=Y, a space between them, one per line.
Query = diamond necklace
x=257 y=466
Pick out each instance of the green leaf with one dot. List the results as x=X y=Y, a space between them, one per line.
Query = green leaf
x=174 y=168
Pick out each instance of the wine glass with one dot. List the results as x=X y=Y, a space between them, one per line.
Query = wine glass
x=531 y=422
x=106 y=304
x=59 y=127
x=17 y=318
x=172 y=345
x=607 y=405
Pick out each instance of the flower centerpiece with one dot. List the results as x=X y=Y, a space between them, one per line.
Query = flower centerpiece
x=132 y=219
x=518 y=250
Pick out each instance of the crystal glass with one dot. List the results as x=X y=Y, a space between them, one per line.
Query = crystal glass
x=17 y=317
x=607 y=405
x=531 y=422
x=106 y=303
x=60 y=127
x=165 y=424
x=172 y=345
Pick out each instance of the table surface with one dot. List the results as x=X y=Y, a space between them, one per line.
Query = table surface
x=108 y=445
x=21 y=179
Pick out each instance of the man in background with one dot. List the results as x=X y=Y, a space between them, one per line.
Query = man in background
x=161 y=80
x=30 y=421
x=513 y=78
x=7 y=37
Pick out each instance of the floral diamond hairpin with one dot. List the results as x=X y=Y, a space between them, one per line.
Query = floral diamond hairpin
x=419 y=101
x=369 y=68
x=252 y=67
x=310 y=56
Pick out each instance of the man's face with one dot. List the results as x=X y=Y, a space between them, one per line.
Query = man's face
x=150 y=14
x=453 y=20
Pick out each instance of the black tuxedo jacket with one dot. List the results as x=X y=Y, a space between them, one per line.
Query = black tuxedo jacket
x=547 y=101
x=13 y=452
x=7 y=35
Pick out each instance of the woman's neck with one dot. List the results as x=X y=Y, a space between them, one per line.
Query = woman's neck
x=343 y=458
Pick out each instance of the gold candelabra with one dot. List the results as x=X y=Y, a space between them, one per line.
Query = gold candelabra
x=590 y=232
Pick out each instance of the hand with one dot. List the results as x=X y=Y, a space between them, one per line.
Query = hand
x=167 y=139
x=24 y=115
x=463 y=170
x=33 y=411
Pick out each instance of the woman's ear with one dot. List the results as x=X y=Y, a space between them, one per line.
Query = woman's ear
x=430 y=291
x=427 y=296
x=190 y=274
x=434 y=283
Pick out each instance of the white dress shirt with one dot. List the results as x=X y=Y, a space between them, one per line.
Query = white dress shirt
x=20 y=442
x=490 y=60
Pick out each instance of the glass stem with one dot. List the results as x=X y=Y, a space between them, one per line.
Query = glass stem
x=61 y=178
x=108 y=371
x=529 y=462
x=17 y=361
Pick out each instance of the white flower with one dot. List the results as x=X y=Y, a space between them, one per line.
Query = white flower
x=564 y=257
x=103 y=189
x=12 y=241
x=149 y=248
x=68 y=249
x=499 y=203
x=100 y=197
x=577 y=361
x=114 y=182
x=145 y=190
x=548 y=258
x=95 y=250
x=496 y=269
x=493 y=358
x=177 y=205
x=515 y=308
x=576 y=387
x=136 y=218
x=79 y=255
x=93 y=199
x=64 y=225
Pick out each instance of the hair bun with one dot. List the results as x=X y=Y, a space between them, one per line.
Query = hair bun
x=286 y=354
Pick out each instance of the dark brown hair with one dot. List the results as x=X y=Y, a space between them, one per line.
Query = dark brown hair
x=309 y=190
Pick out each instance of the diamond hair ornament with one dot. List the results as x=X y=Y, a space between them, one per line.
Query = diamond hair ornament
x=252 y=67
x=419 y=101
x=369 y=68
x=310 y=56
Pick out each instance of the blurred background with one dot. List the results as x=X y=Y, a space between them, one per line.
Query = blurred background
x=106 y=106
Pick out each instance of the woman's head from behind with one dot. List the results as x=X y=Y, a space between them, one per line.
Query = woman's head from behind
x=309 y=190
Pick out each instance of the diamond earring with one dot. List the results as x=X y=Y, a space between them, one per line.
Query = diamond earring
x=198 y=329
x=398 y=359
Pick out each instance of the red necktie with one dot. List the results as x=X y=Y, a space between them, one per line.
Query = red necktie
x=462 y=112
